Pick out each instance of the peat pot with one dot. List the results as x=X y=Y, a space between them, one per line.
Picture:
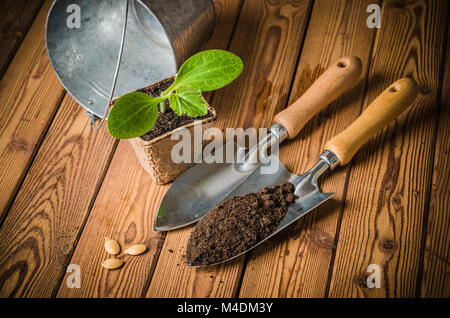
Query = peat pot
x=155 y=154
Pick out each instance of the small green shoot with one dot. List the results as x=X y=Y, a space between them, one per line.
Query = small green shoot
x=134 y=114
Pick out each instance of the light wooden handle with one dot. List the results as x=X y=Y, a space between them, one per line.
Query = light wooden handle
x=337 y=79
x=385 y=108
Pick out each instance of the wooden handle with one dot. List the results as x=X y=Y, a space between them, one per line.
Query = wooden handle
x=337 y=79
x=385 y=108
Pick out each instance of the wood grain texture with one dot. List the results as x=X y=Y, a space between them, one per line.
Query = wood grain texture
x=17 y=16
x=392 y=202
x=125 y=210
x=296 y=262
x=30 y=94
x=390 y=179
x=267 y=37
x=436 y=267
x=39 y=234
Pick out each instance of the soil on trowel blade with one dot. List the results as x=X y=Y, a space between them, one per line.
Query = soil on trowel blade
x=168 y=120
x=238 y=223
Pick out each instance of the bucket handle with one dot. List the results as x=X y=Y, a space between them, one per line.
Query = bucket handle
x=116 y=73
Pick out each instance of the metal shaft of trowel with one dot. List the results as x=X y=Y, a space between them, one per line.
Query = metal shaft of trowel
x=276 y=135
x=258 y=154
x=327 y=160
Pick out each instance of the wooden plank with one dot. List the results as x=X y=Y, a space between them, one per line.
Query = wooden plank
x=30 y=93
x=125 y=208
x=42 y=227
x=296 y=263
x=268 y=37
x=435 y=277
x=17 y=16
x=390 y=179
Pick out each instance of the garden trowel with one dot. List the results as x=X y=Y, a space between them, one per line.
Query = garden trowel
x=337 y=151
x=202 y=186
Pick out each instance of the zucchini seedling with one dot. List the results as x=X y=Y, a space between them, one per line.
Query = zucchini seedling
x=134 y=114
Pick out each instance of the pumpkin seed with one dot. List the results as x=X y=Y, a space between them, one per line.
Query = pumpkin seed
x=136 y=249
x=111 y=246
x=112 y=263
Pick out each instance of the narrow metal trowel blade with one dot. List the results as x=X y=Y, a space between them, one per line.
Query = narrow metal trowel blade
x=198 y=190
x=306 y=188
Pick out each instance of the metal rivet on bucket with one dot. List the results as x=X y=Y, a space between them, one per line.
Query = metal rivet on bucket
x=156 y=36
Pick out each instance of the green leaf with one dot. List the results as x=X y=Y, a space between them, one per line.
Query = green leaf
x=209 y=70
x=133 y=115
x=188 y=101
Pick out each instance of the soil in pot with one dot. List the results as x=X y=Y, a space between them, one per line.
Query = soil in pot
x=168 y=120
x=238 y=223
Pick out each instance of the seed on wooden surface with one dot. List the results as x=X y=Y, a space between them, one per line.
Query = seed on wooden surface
x=112 y=263
x=111 y=246
x=136 y=249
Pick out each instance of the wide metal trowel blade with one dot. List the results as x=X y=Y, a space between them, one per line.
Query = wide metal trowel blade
x=198 y=190
x=306 y=188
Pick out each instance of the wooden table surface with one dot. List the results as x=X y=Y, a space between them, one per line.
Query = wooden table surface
x=64 y=186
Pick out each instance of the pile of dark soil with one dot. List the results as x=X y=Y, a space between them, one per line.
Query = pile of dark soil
x=238 y=223
x=168 y=120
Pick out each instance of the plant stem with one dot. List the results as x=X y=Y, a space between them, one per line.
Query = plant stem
x=169 y=90
x=165 y=95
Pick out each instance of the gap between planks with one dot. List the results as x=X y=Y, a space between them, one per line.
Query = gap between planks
x=21 y=255
x=382 y=224
x=433 y=280
x=18 y=16
x=47 y=216
x=31 y=95
x=269 y=45
x=130 y=199
x=297 y=262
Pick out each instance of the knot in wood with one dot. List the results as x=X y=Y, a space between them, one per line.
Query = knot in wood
x=361 y=280
x=387 y=245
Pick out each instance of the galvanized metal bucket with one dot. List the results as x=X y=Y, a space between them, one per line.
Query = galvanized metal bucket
x=158 y=36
